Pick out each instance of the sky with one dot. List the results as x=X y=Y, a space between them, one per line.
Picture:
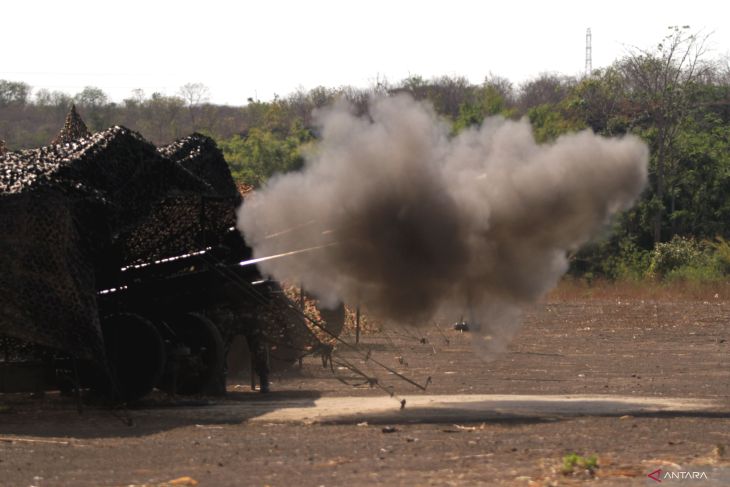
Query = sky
x=256 y=49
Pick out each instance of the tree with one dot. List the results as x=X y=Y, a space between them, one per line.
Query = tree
x=550 y=121
x=658 y=83
x=194 y=94
x=486 y=100
x=416 y=86
x=14 y=92
x=136 y=100
x=161 y=117
x=448 y=94
x=61 y=100
x=91 y=97
x=545 y=89
x=261 y=154
x=357 y=97
x=96 y=108
x=700 y=181
x=600 y=100
x=43 y=98
x=502 y=86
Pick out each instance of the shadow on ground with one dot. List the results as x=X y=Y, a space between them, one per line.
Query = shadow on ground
x=56 y=416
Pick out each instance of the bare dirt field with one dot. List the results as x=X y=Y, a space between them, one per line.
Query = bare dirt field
x=643 y=384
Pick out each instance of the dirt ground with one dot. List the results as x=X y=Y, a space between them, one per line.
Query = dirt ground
x=642 y=385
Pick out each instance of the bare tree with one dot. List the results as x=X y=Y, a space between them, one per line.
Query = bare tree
x=194 y=94
x=138 y=96
x=359 y=98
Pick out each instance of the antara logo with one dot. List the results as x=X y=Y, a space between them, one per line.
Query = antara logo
x=657 y=475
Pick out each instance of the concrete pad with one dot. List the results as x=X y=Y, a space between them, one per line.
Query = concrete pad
x=472 y=408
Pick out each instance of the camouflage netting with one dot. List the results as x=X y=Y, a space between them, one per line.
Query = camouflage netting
x=69 y=210
x=199 y=155
x=186 y=221
x=73 y=129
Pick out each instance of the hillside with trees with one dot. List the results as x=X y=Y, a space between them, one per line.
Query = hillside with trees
x=674 y=96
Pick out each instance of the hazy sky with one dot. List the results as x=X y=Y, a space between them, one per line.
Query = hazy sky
x=242 y=49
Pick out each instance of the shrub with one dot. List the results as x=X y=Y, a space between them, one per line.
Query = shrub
x=678 y=253
x=574 y=463
x=721 y=247
x=633 y=262
x=703 y=272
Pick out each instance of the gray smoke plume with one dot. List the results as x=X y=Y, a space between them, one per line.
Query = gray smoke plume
x=414 y=222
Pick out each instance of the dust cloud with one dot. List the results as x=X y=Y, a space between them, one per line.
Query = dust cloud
x=415 y=223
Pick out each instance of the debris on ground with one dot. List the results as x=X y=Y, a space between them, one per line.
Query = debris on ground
x=178 y=482
x=461 y=326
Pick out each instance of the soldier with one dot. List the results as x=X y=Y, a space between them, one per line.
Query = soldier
x=259 y=359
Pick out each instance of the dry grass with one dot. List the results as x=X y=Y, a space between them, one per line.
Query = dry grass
x=570 y=289
x=368 y=323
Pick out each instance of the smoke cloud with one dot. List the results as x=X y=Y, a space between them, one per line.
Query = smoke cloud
x=416 y=222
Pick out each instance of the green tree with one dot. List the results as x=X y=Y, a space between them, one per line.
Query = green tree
x=600 y=101
x=487 y=101
x=550 y=121
x=699 y=180
x=658 y=83
x=261 y=154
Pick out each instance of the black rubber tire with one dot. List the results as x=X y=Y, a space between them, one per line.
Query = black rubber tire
x=136 y=356
x=203 y=370
x=287 y=336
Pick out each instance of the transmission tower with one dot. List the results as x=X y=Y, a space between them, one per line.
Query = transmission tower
x=589 y=53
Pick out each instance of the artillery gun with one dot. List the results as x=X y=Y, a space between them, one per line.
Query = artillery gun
x=121 y=268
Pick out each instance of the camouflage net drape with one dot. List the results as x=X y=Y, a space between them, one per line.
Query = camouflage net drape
x=69 y=212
